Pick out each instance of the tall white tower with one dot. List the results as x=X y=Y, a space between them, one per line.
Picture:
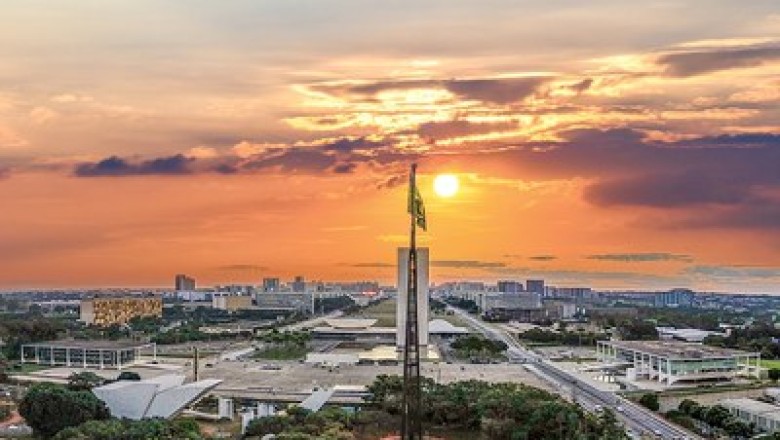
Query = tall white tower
x=422 y=297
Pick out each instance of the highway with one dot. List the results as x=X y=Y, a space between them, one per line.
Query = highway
x=637 y=419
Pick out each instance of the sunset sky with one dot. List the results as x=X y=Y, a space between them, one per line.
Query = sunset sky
x=613 y=144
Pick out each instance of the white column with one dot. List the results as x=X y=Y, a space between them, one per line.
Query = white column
x=118 y=360
x=84 y=357
x=422 y=296
x=67 y=356
x=22 y=353
x=154 y=351
x=100 y=356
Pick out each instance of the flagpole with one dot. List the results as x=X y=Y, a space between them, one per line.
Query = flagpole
x=411 y=423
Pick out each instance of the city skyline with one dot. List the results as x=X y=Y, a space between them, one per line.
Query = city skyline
x=611 y=145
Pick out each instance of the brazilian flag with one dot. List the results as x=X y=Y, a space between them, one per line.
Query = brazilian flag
x=416 y=206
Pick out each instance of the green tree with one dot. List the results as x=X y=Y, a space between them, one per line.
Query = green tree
x=84 y=381
x=650 y=401
x=112 y=429
x=609 y=426
x=774 y=374
x=737 y=428
x=716 y=415
x=689 y=407
x=49 y=408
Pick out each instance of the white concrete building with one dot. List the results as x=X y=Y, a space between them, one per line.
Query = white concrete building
x=422 y=296
x=671 y=361
x=764 y=415
x=162 y=396
x=87 y=353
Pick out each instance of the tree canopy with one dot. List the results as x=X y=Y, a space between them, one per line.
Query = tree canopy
x=113 y=429
x=50 y=408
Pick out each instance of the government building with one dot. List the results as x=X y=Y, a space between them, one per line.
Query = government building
x=110 y=311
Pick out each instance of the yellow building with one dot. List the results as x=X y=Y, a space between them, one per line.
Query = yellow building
x=231 y=303
x=108 y=311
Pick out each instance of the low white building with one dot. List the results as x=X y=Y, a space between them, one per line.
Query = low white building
x=673 y=361
x=764 y=415
x=163 y=396
x=685 y=334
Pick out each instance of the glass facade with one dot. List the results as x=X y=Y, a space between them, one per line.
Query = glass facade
x=81 y=356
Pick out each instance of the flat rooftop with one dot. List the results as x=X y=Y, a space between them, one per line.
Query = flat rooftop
x=756 y=407
x=91 y=344
x=678 y=350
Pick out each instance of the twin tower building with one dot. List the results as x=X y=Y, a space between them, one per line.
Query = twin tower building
x=422 y=296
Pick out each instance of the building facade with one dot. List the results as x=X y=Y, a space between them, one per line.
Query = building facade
x=183 y=282
x=230 y=302
x=271 y=285
x=670 y=362
x=299 y=284
x=675 y=298
x=765 y=416
x=403 y=295
x=510 y=287
x=110 y=311
x=535 y=286
x=86 y=354
x=285 y=301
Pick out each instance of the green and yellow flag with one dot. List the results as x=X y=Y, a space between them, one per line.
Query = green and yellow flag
x=416 y=206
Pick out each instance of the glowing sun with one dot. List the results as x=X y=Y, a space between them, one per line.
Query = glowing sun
x=446 y=185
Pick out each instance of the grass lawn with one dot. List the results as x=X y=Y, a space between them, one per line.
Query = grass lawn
x=383 y=312
x=287 y=352
x=767 y=363
x=28 y=368
x=455 y=320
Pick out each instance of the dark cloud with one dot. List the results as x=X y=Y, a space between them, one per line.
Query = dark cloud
x=373 y=265
x=705 y=61
x=734 y=272
x=581 y=86
x=669 y=190
x=345 y=168
x=293 y=159
x=759 y=213
x=542 y=257
x=348 y=145
x=467 y=264
x=339 y=156
x=449 y=129
x=492 y=90
x=499 y=91
x=713 y=180
x=721 y=170
x=116 y=166
x=641 y=257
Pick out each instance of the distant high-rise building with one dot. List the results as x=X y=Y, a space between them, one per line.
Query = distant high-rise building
x=422 y=296
x=510 y=287
x=535 y=286
x=299 y=284
x=183 y=282
x=271 y=284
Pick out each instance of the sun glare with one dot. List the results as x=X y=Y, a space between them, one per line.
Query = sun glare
x=446 y=185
